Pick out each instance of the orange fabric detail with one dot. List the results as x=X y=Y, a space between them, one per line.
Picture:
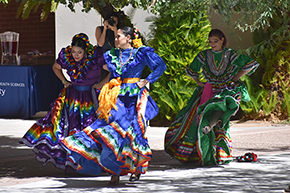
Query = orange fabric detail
x=131 y=80
x=108 y=98
x=109 y=94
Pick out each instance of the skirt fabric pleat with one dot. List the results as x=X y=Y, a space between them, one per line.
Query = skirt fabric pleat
x=71 y=112
x=118 y=146
x=185 y=140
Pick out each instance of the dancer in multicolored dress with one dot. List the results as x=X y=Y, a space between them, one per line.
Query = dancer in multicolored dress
x=116 y=142
x=200 y=132
x=75 y=108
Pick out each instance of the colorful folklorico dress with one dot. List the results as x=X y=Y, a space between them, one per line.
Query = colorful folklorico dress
x=73 y=110
x=116 y=143
x=185 y=140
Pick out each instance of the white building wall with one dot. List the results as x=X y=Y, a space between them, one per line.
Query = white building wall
x=139 y=20
x=68 y=24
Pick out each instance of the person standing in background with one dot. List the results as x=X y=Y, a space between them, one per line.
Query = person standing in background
x=106 y=34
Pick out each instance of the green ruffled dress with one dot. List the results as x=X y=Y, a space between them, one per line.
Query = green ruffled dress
x=185 y=140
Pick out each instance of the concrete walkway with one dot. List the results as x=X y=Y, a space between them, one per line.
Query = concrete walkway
x=20 y=172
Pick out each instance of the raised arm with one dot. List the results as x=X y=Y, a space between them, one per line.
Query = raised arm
x=101 y=36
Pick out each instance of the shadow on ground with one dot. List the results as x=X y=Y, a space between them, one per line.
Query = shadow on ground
x=17 y=160
x=269 y=174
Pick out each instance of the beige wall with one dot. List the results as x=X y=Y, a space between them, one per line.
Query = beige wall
x=69 y=23
x=236 y=38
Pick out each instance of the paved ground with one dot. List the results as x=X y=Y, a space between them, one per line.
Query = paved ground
x=20 y=172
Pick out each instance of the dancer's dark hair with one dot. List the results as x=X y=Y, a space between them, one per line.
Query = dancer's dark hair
x=218 y=33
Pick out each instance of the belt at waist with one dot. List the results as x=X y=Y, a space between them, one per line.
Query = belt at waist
x=82 y=88
x=130 y=80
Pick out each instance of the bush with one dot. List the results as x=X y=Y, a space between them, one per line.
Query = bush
x=177 y=41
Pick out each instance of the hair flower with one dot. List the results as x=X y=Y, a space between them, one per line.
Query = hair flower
x=137 y=43
x=83 y=38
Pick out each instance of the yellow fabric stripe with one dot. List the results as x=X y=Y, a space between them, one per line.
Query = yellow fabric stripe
x=131 y=80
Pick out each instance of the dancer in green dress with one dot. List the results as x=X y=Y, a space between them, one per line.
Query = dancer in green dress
x=200 y=132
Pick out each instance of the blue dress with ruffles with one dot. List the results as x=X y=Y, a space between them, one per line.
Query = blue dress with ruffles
x=120 y=146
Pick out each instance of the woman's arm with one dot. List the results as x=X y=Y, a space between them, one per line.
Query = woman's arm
x=58 y=72
x=114 y=29
x=155 y=63
x=201 y=84
x=101 y=36
x=241 y=73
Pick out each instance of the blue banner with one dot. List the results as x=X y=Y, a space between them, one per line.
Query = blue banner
x=25 y=90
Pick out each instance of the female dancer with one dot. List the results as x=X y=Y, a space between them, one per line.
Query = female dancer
x=116 y=142
x=75 y=107
x=200 y=132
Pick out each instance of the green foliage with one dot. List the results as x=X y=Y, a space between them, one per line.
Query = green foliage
x=269 y=102
x=261 y=100
x=282 y=78
x=27 y=6
x=171 y=97
x=286 y=101
x=177 y=41
x=252 y=107
x=252 y=14
x=248 y=14
x=242 y=14
x=271 y=50
x=268 y=19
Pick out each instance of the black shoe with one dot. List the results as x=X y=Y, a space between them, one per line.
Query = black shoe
x=287 y=189
x=134 y=177
x=114 y=180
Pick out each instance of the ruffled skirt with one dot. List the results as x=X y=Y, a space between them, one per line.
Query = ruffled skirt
x=185 y=140
x=119 y=146
x=70 y=113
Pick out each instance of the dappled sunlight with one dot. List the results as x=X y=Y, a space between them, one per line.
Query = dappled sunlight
x=269 y=174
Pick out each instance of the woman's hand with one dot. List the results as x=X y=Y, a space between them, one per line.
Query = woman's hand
x=58 y=72
x=66 y=83
x=113 y=28
x=106 y=25
x=237 y=77
x=142 y=83
x=98 y=86
x=201 y=84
